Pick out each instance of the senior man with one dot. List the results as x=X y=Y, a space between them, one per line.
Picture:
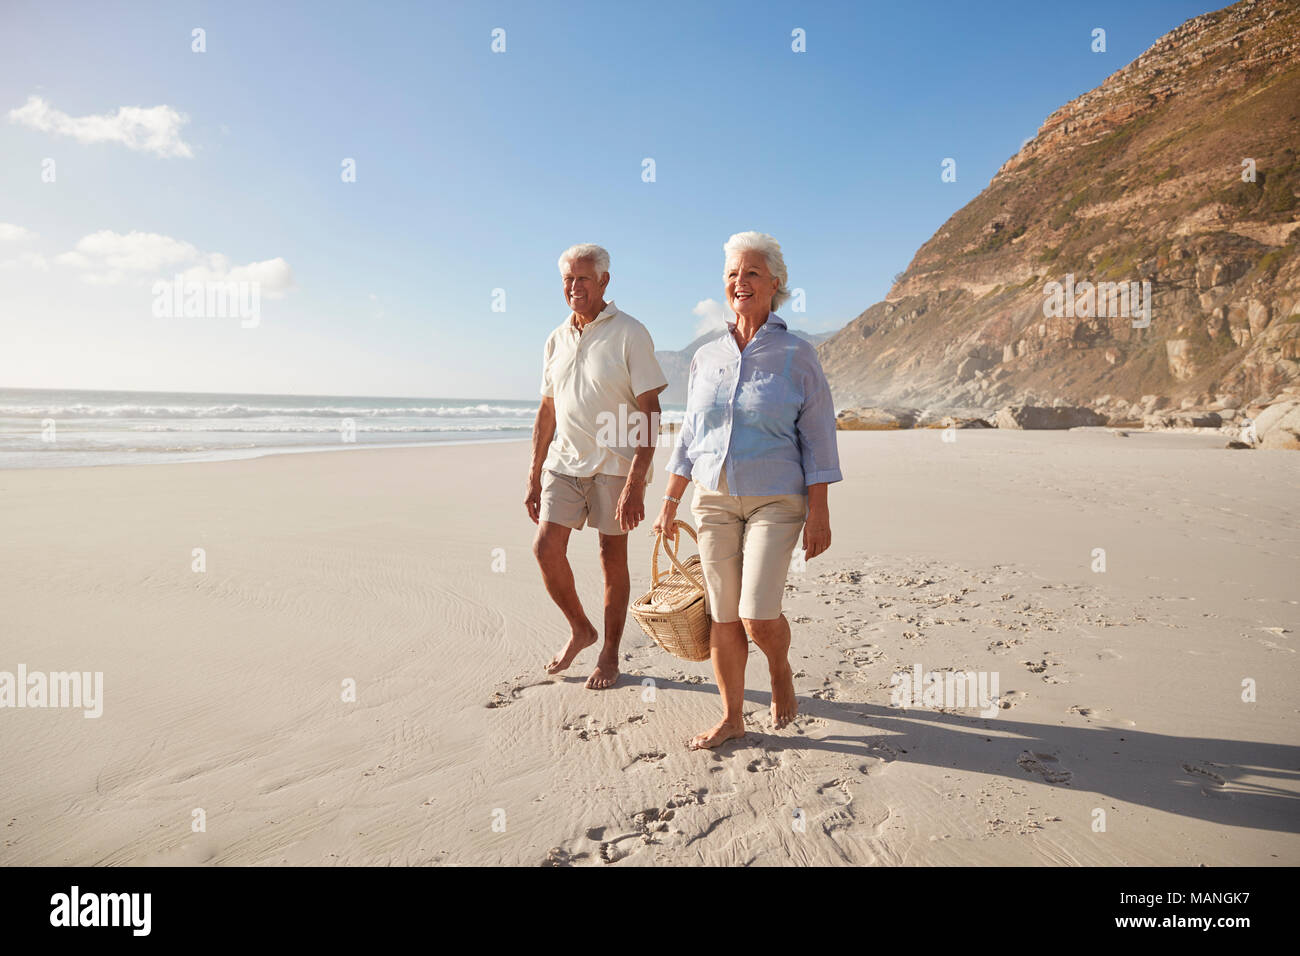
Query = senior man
x=593 y=443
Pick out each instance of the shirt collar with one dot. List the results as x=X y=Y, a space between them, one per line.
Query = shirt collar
x=772 y=319
x=605 y=313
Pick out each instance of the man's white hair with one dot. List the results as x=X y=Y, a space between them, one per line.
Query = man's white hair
x=584 y=251
x=771 y=250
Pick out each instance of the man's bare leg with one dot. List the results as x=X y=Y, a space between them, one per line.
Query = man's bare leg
x=773 y=639
x=618 y=591
x=551 y=548
x=729 y=650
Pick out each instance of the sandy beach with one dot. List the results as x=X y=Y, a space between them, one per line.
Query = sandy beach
x=1122 y=737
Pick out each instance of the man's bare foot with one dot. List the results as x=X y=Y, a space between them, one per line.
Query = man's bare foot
x=718 y=734
x=606 y=672
x=579 y=640
x=784 y=704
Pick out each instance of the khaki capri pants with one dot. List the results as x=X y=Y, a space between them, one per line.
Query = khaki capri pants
x=746 y=542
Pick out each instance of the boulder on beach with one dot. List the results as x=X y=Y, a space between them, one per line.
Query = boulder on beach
x=875 y=419
x=958 y=421
x=1190 y=418
x=954 y=418
x=1039 y=416
x=1271 y=413
x=1278 y=426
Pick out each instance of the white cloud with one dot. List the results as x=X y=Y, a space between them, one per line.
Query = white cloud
x=711 y=316
x=27 y=260
x=273 y=275
x=108 y=258
x=154 y=129
x=74 y=259
x=135 y=251
x=11 y=233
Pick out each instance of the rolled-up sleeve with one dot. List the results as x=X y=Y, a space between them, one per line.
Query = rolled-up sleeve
x=642 y=366
x=816 y=426
x=679 y=463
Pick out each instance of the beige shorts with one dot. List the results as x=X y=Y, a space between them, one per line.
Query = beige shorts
x=574 y=502
x=746 y=542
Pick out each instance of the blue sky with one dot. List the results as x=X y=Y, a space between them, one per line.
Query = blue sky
x=475 y=169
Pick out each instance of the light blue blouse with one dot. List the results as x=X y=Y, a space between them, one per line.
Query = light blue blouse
x=764 y=414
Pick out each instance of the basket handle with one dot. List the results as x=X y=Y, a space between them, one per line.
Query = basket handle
x=661 y=540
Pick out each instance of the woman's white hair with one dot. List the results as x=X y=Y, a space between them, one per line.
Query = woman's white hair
x=584 y=251
x=771 y=250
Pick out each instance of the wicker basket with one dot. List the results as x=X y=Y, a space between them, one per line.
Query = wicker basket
x=675 y=612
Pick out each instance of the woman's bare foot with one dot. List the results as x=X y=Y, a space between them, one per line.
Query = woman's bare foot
x=719 y=734
x=784 y=704
x=580 y=639
x=606 y=672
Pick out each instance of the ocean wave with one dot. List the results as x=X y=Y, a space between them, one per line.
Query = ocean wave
x=253 y=428
x=482 y=410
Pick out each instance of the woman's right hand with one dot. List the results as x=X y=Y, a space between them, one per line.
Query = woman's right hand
x=666 y=523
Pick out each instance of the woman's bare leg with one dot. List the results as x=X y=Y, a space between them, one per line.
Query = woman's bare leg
x=773 y=639
x=729 y=650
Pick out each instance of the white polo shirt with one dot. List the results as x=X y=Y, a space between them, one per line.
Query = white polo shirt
x=595 y=375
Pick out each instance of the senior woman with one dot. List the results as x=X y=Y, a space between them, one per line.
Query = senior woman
x=758 y=439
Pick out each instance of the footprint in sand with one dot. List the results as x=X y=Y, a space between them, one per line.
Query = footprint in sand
x=510 y=693
x=876 y=764
x=802 y=724
x=559 y=856
x=690 y=798
x=841 y=786
x=763 y=764
x=1087 y=713
x=881 y=753
x=1045 y=765
x=1010 y=698
x=1202 y=769
x=653 y=819
x=611 y=852
x=587 y=728
x=503 y=698
x=650 y=756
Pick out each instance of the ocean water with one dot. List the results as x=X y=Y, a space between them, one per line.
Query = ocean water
x=42 y=428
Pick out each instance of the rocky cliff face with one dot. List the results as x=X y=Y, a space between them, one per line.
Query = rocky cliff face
x=1138 y=181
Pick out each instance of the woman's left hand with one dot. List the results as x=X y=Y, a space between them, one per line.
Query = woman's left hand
x=816 y=534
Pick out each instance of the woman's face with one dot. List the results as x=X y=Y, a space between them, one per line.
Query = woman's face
x=750 y=285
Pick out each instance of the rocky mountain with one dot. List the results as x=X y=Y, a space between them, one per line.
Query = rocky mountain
x=677 y=365
x=1180 y=171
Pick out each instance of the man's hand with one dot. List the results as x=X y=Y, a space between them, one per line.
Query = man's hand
x=533 y=503
x=631 y=504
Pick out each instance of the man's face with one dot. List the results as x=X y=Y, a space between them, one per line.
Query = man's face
x=584 y=288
